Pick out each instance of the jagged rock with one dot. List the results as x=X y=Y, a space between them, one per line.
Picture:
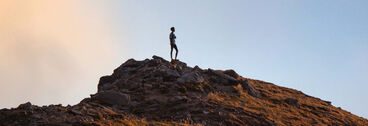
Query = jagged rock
x=107 y=86
x=250 y=89
x=166 y=72
x=27 y=105
x=292 y=101
x=104 y=80
x=231 y=73
x=158 y=58
x=157 y=61
x=159 y=92
x=223 y=78
x=178 y=65
x=191 y=77
x=112 y=98
x=328 y=102
x=131 y=63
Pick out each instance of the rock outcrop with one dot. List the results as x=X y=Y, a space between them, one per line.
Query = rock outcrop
x=158 y=92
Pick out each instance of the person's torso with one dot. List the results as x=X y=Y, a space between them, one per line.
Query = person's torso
x=172 y=38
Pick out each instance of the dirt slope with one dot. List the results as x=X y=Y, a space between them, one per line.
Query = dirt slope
x=157 y=92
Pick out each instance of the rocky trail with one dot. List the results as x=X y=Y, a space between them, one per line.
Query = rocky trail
x=158 y=92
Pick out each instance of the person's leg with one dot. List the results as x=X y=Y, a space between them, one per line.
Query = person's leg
x=176 y=49
x=171 y=51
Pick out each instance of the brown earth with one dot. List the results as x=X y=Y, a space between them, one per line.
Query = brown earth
x=157 y=92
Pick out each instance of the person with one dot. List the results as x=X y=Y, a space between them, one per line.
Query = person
x=172 y=43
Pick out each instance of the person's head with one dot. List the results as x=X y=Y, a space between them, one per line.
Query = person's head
x=172 y=29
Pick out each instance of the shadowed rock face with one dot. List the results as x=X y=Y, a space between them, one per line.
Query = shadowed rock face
x=172 y=93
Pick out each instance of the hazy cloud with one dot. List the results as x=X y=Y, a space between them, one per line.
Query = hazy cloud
x=52 y=51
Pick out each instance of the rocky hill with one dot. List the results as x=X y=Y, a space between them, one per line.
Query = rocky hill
x=158 y=92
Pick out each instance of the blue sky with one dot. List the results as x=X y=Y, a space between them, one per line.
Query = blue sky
x=318 y=47
x=55 y=51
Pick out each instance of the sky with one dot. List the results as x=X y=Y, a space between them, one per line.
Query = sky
x=53 y=52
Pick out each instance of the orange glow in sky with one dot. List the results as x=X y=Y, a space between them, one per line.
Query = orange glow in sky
x=52 y=51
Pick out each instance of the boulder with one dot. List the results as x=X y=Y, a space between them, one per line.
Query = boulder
x=104 y=80
x=231 y=73
x=190 y=77
x=292 y=101
x=27 y=105
x=223 y=78
x=167 y=72
x=157 y=57
x=250 y=89
x=157 y=61
x=128 y=67
x=133 y=63
x=112 y=98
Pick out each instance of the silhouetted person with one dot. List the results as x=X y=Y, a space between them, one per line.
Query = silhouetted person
x=172 y=43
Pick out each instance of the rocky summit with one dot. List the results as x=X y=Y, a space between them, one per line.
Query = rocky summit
x=159 y=92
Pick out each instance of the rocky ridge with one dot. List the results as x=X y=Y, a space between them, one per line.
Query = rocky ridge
x=158 y=92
